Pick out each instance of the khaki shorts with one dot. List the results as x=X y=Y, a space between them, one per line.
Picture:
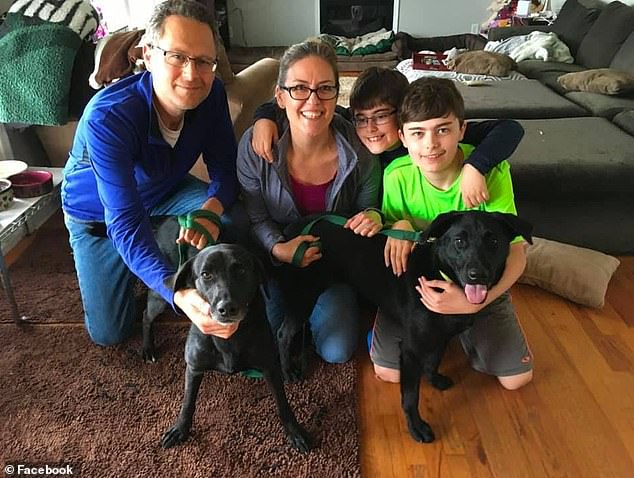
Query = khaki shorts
x=495 y=344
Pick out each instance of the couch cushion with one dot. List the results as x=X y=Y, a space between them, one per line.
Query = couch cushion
x=547 y=72
x=625 y=121
x=601 y=105
x=573 y=22
x=624 y=58
x=516 y=99
x=578 y=158
x=605 y=37
x=602 y=80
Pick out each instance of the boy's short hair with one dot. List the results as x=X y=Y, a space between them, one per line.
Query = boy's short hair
x=430 y=98
x=376 y=86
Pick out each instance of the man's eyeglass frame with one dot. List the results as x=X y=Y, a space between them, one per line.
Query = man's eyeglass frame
x=202 y=64
x=377 y=119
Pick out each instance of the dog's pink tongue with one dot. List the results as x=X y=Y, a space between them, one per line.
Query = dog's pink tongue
x=476 y=293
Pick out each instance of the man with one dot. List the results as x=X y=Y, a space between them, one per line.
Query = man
x=132 y=151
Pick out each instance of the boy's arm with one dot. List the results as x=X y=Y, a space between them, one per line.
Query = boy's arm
x=268 y=110
x=266 y=127
x=495 y=141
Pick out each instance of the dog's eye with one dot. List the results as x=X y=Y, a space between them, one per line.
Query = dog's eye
x=206 y=275
x=240 y=270
x=459 y=242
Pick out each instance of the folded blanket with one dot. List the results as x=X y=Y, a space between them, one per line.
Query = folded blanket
x=37 y=48
x=374 y=42
x=545 y=46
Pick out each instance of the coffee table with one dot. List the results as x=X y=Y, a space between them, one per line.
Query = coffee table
x=21 y=219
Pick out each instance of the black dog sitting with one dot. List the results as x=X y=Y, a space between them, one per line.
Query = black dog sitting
x=229 y=278
x=470 y=248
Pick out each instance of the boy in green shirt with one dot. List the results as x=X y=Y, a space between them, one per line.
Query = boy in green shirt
x=418 y=187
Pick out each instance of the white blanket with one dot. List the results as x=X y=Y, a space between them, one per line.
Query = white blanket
x=545 y=46
x=406 y=68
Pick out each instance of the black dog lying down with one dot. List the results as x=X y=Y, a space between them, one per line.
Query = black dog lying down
x=229 y=278
x=470 y=248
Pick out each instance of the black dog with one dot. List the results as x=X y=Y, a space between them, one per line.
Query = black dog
x=229 y=278
x=470 y=248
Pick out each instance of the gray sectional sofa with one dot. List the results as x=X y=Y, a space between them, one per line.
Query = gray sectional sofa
x=574 y=170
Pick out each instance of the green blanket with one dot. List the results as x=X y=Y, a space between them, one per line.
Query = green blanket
x=36 y=63
x=374 y=42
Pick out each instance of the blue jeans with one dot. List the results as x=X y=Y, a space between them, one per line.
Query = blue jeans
x=105 y=282
x=334 y=322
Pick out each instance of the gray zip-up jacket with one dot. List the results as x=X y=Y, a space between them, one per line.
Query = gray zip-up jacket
x=266 y=188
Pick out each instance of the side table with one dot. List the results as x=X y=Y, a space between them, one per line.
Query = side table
x=22 y=218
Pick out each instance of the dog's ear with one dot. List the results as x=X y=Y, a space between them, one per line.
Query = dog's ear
x=516 y=225
x=439 y=225
x=184 y=277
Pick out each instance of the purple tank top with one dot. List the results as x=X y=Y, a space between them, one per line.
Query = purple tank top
x=309 y=198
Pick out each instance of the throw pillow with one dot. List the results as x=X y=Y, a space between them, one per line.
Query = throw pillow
x=575 y=273
x=481 y=62
x=603 y=80
x=573 y=22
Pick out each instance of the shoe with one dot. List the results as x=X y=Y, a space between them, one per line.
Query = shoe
x=252 y=373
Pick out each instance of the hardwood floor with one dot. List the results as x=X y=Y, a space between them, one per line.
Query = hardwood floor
x=575 y=419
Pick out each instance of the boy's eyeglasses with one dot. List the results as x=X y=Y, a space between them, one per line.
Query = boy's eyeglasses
x=180 y=60
x=302 y=92
x=377 y=119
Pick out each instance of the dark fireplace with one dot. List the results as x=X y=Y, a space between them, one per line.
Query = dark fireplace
x=351 y=18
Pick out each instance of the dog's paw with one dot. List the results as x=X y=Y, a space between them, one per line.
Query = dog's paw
x=420 y=430
x=441 y=382
x=173 y=436
x=293 y=374
x=149 y=355
x=299 y=439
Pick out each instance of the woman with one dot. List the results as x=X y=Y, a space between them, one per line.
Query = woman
x=320 y=167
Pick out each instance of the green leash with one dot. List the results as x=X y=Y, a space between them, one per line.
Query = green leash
x=413 y=236
x=188 y=221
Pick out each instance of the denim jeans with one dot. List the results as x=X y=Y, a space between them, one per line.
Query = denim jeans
x=334 y=322
x=105 y=282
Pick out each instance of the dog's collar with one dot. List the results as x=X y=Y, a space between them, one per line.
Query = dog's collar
x=445 y=276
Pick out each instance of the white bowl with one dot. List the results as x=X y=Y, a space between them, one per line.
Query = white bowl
x=9 y=167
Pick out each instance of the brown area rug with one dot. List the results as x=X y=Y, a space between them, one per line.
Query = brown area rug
x=103 y=410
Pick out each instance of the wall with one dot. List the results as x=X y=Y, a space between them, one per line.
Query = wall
x=432 y=18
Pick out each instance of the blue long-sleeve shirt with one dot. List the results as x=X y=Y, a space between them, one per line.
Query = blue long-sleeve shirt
x=120 y=166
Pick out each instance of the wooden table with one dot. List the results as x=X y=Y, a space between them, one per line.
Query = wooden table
x=21 y=219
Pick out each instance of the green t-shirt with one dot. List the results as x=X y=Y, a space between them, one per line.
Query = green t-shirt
x=408 y=195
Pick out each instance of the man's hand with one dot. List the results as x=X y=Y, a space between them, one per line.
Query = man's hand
x=284 y=251
x=199 y=312
x=450 y=300
x=397 y=251
x=365 y=223
x=473 y=187
x=265 y=135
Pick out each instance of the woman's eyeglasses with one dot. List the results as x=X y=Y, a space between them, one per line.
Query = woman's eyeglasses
x=302 y=92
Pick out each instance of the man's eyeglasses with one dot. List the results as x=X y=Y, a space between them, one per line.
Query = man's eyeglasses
x=377 y=119
x=180 y=60
x=302 y=92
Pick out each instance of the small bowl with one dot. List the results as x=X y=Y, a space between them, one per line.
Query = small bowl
x=6 y=194
x=30 y=184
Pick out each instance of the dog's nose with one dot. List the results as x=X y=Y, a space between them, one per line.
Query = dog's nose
x=227 y=309
x=473 y=274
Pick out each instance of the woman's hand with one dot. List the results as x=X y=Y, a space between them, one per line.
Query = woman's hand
x=284 y=251
x=473 y=187
x=450 y=299
x=397 y=251
x=365 y=223
x=199 y=312
x=265 y=135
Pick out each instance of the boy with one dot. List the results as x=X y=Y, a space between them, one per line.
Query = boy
x=374 y=102
x=418 y=187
